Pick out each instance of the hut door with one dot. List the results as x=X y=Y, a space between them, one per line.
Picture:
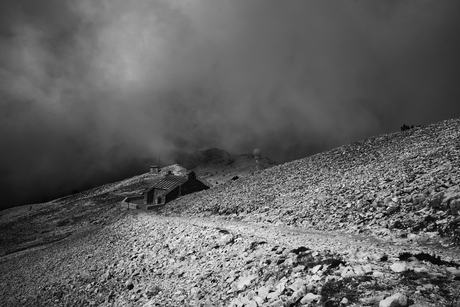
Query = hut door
x=149 y=199
x=159 y=200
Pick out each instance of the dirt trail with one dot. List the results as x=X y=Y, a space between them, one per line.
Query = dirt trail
x=321 y=240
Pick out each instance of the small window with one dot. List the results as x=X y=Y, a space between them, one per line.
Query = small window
x=159 y=200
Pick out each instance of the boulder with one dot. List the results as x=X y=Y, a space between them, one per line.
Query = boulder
x=447 y=199
x=310 y=297
x=396 y=300
x=263 y=292
x=398 y=267
x=244 y=281
x=392 y=207
x=451 y=194
x=296 y=296
x=417 y=199
x=371 y=300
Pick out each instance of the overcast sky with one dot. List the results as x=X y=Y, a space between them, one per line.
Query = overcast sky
x=96 y=90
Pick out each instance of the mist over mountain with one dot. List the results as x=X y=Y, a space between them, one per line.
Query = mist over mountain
x=96 y=91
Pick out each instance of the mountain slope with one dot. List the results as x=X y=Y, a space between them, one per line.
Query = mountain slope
x=25 y=227
x=365 y=224
x=406 y=181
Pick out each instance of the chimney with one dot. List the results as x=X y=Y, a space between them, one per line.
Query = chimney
x=154 y=169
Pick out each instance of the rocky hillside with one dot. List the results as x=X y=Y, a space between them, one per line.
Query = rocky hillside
x=404 y=184
x=373 y=223
x=32 y=226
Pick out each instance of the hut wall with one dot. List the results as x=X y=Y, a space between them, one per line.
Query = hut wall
x=152 y=197
x=159 y=197
x=148 y=197
x=173 y=194
x=192 y=185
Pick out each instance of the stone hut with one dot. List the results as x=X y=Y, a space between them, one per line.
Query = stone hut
x=171 y=187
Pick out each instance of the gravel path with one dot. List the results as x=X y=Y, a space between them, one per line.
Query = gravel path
x=324 y=240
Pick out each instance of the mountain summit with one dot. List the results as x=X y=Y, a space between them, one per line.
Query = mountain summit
x=218 y=166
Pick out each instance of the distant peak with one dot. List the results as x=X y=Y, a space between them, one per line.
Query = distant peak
x=214 y=149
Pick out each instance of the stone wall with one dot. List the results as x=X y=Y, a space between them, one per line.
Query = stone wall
x=128 y=202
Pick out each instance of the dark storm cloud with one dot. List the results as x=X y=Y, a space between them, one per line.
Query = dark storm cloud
x=93 y=91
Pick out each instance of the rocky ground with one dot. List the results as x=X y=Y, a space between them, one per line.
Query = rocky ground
x=373 y=223
x=148 y=260
x=405 y=184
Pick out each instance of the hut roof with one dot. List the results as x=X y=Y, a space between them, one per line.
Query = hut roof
x=169 y=182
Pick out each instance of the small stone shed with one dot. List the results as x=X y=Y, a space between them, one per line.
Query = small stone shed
x=171 y=187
